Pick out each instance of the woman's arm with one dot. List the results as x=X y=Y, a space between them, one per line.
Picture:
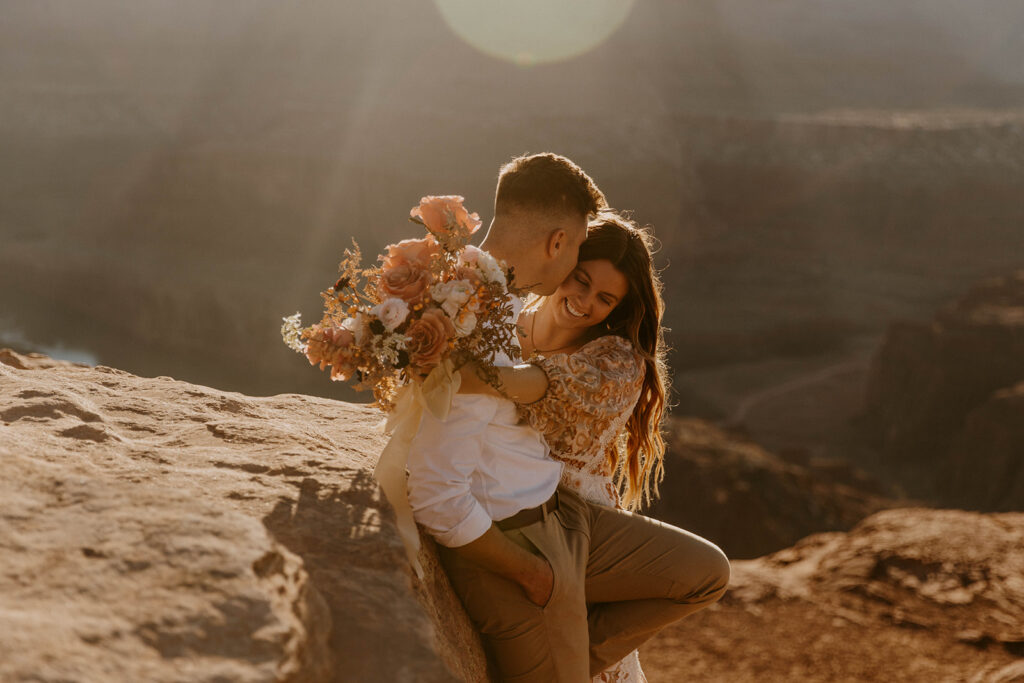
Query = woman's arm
x=524 y=383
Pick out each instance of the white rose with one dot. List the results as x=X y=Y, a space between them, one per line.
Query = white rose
x=464 y=323
x=452 y=295
x=391 y=312
x=451 y=308
x=490 y=268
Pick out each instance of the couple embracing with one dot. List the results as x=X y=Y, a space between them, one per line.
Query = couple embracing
x=530 y=490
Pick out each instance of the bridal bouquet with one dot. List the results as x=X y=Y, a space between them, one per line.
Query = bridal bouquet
x=433 y=302
x=403 y=327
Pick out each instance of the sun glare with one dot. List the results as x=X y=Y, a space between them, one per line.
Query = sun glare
x=531 y=32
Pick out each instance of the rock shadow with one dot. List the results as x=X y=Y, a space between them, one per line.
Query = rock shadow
x=358 y=565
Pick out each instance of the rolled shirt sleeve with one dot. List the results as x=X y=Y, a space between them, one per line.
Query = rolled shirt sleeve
x=477 y=466
x=442 y=461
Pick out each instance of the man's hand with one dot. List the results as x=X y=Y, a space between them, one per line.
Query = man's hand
x=497 y=553
x=541 y=584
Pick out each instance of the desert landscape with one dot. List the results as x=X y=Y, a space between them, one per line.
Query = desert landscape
x=836 y=191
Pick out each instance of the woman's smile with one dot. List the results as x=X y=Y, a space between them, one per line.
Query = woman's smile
x=573 y=311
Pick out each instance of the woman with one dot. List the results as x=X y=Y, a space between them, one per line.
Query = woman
x=595 y=386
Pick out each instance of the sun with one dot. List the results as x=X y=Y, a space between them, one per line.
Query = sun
x=531 y=32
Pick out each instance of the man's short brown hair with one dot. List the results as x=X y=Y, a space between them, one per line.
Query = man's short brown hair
x=548 y=182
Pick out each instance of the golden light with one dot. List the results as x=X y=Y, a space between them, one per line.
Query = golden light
x=530 y=32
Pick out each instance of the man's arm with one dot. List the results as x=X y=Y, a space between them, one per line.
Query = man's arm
x=497 y=553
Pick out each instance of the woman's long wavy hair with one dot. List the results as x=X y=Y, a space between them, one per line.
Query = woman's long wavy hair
x=639 y=462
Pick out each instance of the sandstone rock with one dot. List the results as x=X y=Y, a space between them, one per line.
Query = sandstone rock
x=750 y=501
x=907 y=595
x=33 y=360
x=1011 y=673
x=155 y=530
x=945 y=570
x=926 y=378
x=985 y=469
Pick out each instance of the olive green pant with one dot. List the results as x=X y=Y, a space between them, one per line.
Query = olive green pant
x=619 y=578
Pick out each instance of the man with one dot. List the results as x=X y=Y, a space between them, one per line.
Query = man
x=524 y=559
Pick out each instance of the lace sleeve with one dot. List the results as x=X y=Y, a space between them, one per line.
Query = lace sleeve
x=587 y=391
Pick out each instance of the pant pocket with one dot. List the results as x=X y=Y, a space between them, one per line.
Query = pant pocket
x=565 y=614
x=526 y=538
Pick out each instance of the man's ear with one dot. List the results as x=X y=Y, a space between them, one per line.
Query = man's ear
x=556 y=242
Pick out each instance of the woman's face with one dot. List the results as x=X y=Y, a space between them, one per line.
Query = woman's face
x=589 y=294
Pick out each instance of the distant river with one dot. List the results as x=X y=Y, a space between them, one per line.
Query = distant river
x=15 y=339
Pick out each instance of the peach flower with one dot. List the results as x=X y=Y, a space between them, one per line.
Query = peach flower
x=407 y=281
x=418 y=252
x=429 y=339
x=332 y=346
x=445 y=216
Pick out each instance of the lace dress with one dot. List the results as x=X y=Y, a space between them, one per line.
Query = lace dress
x=591 y=393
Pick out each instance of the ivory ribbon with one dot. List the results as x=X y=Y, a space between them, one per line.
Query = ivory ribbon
x=434 y=394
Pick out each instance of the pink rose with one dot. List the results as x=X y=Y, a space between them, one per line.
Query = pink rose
x=332 y=346
x=407 y=281
x=446 y=216
x=418 y=252
x=429 y=339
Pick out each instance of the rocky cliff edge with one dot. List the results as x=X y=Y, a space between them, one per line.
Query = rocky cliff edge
x=155 y=530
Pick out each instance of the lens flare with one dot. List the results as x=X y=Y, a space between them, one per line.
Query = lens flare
x=531 y=32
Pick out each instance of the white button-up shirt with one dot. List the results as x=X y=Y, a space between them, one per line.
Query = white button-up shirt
x=478 y=465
